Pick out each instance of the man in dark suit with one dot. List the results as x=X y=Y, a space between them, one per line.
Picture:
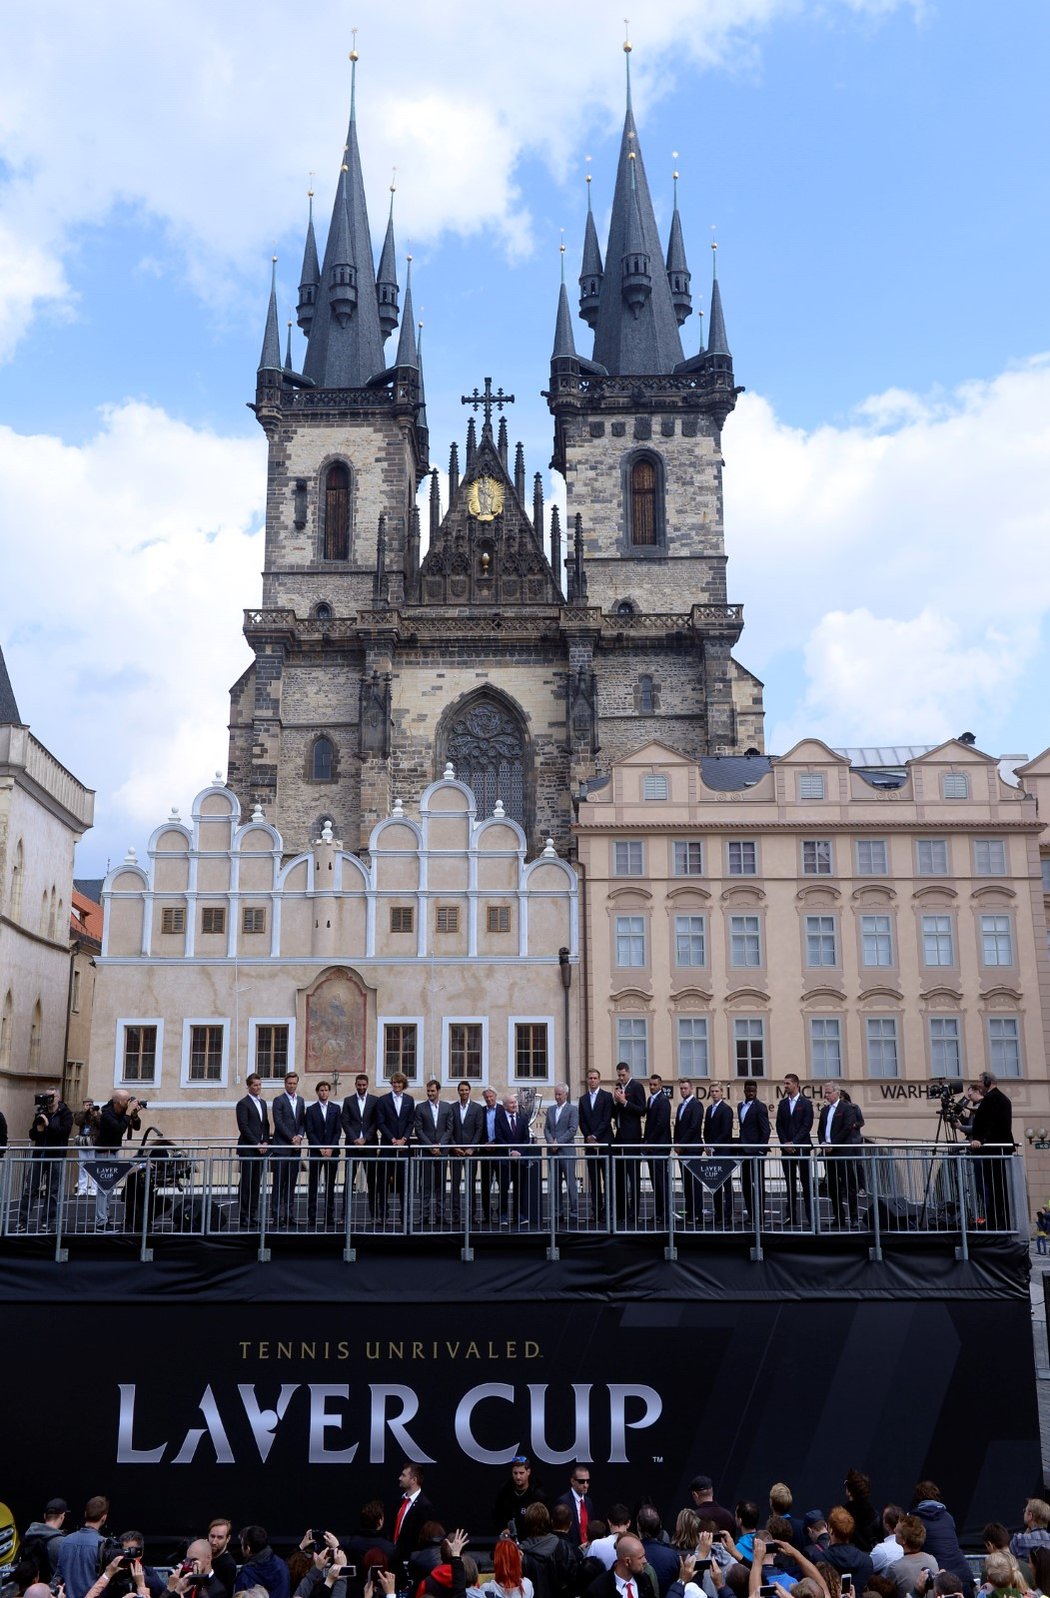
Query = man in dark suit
x=514 y=1140
x=794 y=1134
x=596 y=1115
x=628 y=1576
x=289 y=1129
x=628 y=1113
x=837 y=1131
x=253 y=1142
x=489 y=1165
x=688 y=1138
x=657 y=1139
x=412 y=1511
x=395 y=1119
x=466 y=1132
x=359 y=1129
x=433 y=1128
x=579 y=1503
x=718 y=1139
x=754 y=1142
x=992 y=1130
x=323 y=1134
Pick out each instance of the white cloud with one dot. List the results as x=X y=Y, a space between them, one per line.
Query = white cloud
x=197 y=116
x=901 y=557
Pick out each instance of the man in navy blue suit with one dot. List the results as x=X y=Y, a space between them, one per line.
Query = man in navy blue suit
x=323 y=1134
x=596 y=1117
x=718 y=1136
x=395 y=1118
x=514 y=1141
x=795 y=1136
x=754 y=1141
x=289 y=1127
x=688 y=1137
x=657 y=1140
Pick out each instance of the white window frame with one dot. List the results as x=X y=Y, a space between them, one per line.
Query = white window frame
x=690 y=935
x=625 y=935
x=627 y=868
x=743 y=844
x=936 y=1044
x=701 y=1041
x=254 y=1023
x=937 y=859
x=686 y=845
x=821 y=852
x=818 y=929
x=871 y=940
x=625 y=1049
x=382 y=1022
x=821 y=1069
x=811 y=786
x=122 y=1021
x=871 y=1053
x=448 y=1021
x=655 y=787
x=740 y=1021
x=1013 y=1068
x=989 y=857
x=740 y=938
x=936 y=935
x=871 y=869
x=955 y=785
x=992 y=941
x=187 y=1081
x=514 y=1021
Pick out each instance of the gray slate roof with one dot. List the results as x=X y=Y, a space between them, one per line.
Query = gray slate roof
x=9 y=716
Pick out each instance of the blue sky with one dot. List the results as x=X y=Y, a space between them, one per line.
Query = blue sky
x=875 y=174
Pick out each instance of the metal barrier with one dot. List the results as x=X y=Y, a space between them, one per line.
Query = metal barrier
x=154 y=1194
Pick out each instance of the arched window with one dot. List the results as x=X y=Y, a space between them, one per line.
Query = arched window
x=51 y=927
x=337 y=512
x=486 y=745
x=645 y=696
x=643 y=503
x=323 y=756
x=17 y=876
x=35 y=1031
x=7 y=1021
x=323 y=611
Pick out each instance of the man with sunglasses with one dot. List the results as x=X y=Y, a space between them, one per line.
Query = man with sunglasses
x=516 y=1495
x=580 y=1504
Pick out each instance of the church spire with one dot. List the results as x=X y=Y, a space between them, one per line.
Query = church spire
x=717 y=343
x=9 y=716
x=564 y=344
x=636 y=326
x=270 y=359
x=407 y=353
x=311 y=274
x=345 y=345
x=591 y=276
x=386 y=277
x=677 y=270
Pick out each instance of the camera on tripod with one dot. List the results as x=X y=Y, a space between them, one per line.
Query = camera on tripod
x=953 y=1110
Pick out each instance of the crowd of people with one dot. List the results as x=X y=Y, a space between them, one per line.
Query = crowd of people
x=566 y=1544
x=480 y=1159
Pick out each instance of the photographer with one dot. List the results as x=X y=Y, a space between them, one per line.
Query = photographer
x=119 y=1118
x=49 y=1132
x=327 y=1573
x=116 y=1573
x=195 y=1575
x=126 y=1551
x=991 y=1137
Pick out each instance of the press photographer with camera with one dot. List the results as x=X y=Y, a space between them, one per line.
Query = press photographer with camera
x=195 y=1576
x=119 y=1118
x=120 y=1559
x=51 y=1125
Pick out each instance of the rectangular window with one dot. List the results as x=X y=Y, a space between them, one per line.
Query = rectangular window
x=271 y=1050
x=654 y=786
x=825 y=1046
x=530 y=1051
x=811 y=785
x=945 y=1047
x=931 y=857
x=1004 y=1045
x=628 y=858
x=497 y=918
x=400 y=1039
x=816 y=857
x=630 y=940
x=692 y=1045
x=448 y=918
x=872 y=857
x=140 y=1054
x=213 y=919
x=1044 y=866
x=632 y=1042
x=876 y=940
x=402 y=918
x=742 y=855
x=173 y=919
x=253 y=918
x=75 y=995
x=882 y=1045
x=989 y=857
x=688 y=857
x=689 y=941
x=997 y=944
x=955 y=785
x=466 y=1051
x=205 y=1063
x=937 y=943
x=749 y=1046
x=745 y=941
x=820 y=940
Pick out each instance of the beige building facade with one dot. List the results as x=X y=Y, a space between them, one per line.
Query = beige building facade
x=877 y=925
x=440 y=953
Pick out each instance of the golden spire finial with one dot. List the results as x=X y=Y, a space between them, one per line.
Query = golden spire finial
x=627 y=45
x=393 y=180
x=353 y=44
x=310 y=190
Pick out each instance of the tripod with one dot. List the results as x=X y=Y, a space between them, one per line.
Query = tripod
x=948 y=1136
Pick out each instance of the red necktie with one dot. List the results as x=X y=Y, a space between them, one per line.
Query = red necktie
x=630 y=1589
x=583 y=1521
x=402 y=1512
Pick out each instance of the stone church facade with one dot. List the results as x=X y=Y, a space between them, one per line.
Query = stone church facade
x=528 y=659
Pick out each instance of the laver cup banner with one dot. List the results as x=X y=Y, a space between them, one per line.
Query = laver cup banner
x=296 y=1414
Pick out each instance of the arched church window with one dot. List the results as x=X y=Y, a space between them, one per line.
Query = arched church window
x=36 y=1029
x=337 y=512
x=323 y=756
x=643 y=502
x=645 y=696
x=7 y=1022
x=486 y=745
x=323 y=611
x=17 y=879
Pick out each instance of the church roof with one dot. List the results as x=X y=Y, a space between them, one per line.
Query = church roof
x=9 y=716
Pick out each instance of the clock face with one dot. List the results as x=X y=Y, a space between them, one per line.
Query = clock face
x=485 y=498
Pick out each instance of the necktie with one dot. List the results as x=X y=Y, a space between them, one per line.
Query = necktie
x=402 y=1512
x=583 y=1521
x=630 y=1589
